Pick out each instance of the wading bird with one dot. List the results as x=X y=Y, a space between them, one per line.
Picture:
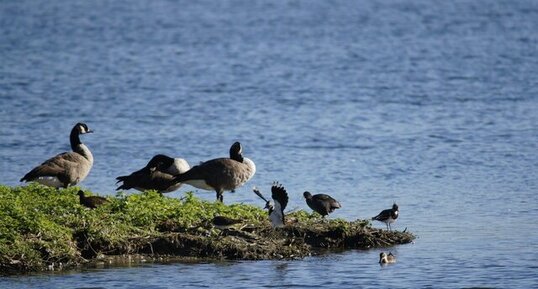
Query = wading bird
x=388 y=216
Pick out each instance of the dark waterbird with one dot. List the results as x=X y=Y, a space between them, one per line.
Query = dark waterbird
x=321 y=203
x=158 y=174
x=91 y=202
x=66 y=169
x=388 y=216
x=277 y=205
x=222 y=222
x=221 y=174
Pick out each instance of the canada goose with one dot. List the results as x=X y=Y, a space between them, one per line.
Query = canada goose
x=277 y=205
x=157 y=175
x=321 y=203
x=223 y=223
x=222 y=174
x=386 y=259
x=66 y=169
x=388 y=216
x=91 y=201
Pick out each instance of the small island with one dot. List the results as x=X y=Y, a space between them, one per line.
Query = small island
x=42 y=228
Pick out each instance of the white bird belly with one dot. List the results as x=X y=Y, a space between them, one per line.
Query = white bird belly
x=200 y=184
x=50 y=181
x=276 y=219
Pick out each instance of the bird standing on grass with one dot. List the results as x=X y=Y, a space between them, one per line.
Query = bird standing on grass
x=157 y=175
x=224 y=223
x=91 y=202
x=321 y=203
x=388 y=216
x=277 y=205
x=66 y=169
x=222 y=174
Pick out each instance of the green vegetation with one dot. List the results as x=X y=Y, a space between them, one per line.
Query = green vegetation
x=42 y=228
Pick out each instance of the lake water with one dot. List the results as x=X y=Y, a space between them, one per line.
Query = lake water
x=431 y=104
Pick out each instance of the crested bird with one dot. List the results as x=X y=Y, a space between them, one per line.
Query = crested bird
x=158 y=174
x=221 y=174
x=91 y=202
x=277 y=205
x=388 y=216
x=321 y=203
x=68 y=168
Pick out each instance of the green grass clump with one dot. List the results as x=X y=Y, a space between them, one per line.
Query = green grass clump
x=41 y=226
x=35 y=227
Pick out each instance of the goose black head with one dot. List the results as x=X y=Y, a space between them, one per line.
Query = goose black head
x=160 y=162
x=394 y=207
x=80 y=193
x=236 y=152
x=307 y=195
x=383 y=258
x=82 y=128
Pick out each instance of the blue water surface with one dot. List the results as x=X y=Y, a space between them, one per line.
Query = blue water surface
x=431 y=104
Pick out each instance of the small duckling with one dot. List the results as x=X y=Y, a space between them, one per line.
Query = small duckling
x=224 y=223
x=386 y=259
x=91 y=202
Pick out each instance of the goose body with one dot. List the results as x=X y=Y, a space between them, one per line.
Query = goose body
x=91 y=202
x=277 y=205
x=221 y=174
x=388 y=216
x=66 y=169
x=157 y=175
x=321 y=203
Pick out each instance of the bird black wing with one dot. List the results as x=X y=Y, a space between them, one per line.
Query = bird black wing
x=383 y=216
x=330 y=202
x=257 y=192
x=279 y=194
